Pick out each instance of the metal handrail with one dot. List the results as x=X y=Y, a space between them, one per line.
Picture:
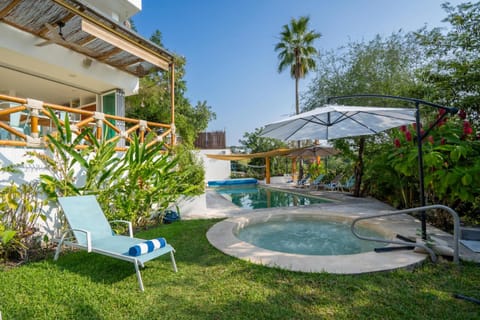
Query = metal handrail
x=456 y=229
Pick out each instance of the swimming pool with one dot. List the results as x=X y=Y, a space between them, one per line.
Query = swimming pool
x=255 y=197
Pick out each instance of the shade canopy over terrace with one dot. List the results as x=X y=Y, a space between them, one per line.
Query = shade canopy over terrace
x=292 y=153
x=73 y=24
x=246 y=156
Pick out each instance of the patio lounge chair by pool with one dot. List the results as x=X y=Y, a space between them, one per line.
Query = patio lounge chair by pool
x=303 y=182
x=334 y=184
x=347 y=186
x=93 y=233
x=318 y=182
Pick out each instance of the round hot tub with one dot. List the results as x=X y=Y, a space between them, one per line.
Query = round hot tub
x=309 y=241
x=317 y=235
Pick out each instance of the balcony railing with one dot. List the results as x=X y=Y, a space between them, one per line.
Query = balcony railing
x=26 y=122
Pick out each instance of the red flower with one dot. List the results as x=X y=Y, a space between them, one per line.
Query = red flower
x=441 y=112
x=467 y=129
x=397 y=143
x=403 y=128
x=430 y=139
x=462 y=114
x=443 y=141
x=408 y=136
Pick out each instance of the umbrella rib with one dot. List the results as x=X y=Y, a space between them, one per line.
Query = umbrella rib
x=307 y=121
x=360 y=123
x=318 y=121
x=298 y=129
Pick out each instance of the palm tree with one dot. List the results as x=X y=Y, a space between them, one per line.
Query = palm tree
x=296 y=51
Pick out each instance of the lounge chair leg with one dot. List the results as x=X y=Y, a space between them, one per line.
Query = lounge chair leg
x=173 y=261
x=57 y=252
x=139 y=276
x=59 y=247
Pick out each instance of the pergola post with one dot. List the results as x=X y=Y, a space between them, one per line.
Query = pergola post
x=267 y=170
x=294 y=169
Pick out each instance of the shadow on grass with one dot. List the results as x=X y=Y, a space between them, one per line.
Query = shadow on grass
x=96 y=267
x=190 y=242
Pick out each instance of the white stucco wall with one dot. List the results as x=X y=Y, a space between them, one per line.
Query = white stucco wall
x=215 y=169
x=31 y=168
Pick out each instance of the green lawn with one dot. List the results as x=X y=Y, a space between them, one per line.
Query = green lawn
x=211 y=285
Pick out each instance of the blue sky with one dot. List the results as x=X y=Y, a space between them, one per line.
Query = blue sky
x=229 y=47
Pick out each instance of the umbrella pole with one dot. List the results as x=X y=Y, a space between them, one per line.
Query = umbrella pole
x=421 y=173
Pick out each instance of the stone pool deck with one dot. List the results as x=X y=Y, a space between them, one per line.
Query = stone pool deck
x=342 y=204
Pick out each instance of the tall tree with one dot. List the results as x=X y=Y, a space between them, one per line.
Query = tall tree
x=152 y=102
x=453 y=68
x=296 y=51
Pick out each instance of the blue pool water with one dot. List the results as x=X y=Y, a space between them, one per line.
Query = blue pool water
x=309 y=237
x=232 y=182
x=253 y=197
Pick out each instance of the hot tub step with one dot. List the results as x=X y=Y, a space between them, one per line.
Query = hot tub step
x=387 y=249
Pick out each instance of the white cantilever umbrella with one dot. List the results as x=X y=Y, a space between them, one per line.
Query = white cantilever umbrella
x=333 y=122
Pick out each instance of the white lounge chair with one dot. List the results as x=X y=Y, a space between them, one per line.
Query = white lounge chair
x=92 y=232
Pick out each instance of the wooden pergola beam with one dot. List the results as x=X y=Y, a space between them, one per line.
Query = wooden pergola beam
x=118 y=42
x=8 y=8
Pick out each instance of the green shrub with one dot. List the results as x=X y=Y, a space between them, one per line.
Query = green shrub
x=451 y=162
x=132 y=186
x=21 y=209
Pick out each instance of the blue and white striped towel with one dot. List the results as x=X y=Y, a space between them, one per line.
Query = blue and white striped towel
x=147 y=246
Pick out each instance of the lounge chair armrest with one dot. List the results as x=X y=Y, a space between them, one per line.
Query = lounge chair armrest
x=130 y=228
x=87 y=235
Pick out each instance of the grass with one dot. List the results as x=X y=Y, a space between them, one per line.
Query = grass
x=211 y=285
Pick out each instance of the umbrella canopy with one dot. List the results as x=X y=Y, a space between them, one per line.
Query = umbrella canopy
x=313 y=151
x=333 y=122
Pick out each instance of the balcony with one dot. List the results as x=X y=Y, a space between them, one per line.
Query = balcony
x=26 y=123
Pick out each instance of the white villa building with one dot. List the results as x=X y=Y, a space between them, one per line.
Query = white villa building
x=75 y=56
x=79 y=58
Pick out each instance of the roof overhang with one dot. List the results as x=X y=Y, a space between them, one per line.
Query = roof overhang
x=87 y=32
